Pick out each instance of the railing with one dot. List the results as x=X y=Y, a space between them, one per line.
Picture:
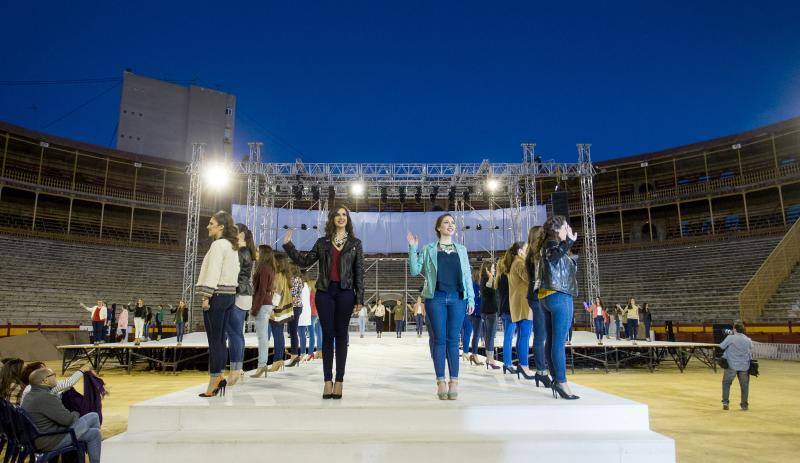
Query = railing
x=775 y=269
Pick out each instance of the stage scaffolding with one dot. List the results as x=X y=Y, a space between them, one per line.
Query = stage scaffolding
x=270 y=184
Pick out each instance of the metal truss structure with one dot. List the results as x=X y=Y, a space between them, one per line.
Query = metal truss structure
x=192 y=228
x=282 y=183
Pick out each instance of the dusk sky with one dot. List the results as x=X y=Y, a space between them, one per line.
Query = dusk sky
x=418 y=81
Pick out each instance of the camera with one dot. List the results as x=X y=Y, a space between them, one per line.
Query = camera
x=727 y=331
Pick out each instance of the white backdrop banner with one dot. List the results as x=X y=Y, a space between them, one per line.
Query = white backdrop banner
x=385 y=232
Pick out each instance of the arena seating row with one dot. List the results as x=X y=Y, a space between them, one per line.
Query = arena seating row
x=785 y=305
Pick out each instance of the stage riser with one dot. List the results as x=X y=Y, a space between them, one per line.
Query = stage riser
x=566 y=448
x=334 y=418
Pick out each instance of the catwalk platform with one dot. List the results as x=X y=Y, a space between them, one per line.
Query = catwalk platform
x=583 y=351
x=389 y=413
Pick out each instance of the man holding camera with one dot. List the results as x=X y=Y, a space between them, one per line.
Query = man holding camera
x=737 y=351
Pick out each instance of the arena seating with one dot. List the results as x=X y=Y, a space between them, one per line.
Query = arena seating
x=694 y=284
x=786 y=302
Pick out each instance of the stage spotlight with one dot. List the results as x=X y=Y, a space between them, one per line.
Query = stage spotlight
x=357 y=188
x=467 y=227
x=315 y=227
x=537 y=159
x=217 y=175
x=303 y=226
x=479 y=227
x=492 y=185
x=285 y=227
x=497 y=227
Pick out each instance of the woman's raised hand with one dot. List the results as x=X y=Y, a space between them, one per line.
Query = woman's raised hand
x=287 y=237
x=412 y=240
x=572 y=235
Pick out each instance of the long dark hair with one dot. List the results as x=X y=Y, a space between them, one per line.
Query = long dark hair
x=266 y=257
x=552 y=225
x=248 y=239
x=10 y=374
x=535 y=241
x=330 y=225
x=229 y=231
x=25 y=376
x=508 y=257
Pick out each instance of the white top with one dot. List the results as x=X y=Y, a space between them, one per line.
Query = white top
x=60 y=386
x=418 y=308
x=305 y=315
x=363 y=312
x=220 y=270
x=103 y=311
x=598 y=312
x=379 y=310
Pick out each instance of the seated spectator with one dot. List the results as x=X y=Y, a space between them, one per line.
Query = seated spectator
x=11 y=384
x=49 y=415
x=60 y=387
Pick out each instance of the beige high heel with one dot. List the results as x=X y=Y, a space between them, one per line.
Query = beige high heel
x=441 y=389
x=262 y=371
x=276 y=366
x=452 y=391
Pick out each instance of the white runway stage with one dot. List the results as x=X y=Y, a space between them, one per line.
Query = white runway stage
x=389 y=413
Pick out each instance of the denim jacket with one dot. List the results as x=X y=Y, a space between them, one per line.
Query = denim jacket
x=426 y=263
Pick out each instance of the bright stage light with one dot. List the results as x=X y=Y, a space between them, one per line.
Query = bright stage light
x=492 y=184
x=357 y=188
x=217 y=175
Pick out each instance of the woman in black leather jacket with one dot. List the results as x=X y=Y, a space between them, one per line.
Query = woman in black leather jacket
x=340 y=289
x=234 y=327
x=558 y=287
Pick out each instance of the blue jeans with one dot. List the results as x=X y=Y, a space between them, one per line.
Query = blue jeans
x=446 y=312
x=234 y=330
x=617 y=323
x=146 y=330
x=87 y=429
x=598 y=327
x=466 y=334
x=558 y=307
x=99 y=330
x=302 y=332
x=312 y=335
x=362 y=326
x=279 y=341
x=179 y=330
x=419 y=324
x=647 y=329
x=215 y=319
x=399 y=326
x=477 y=324
x=489 y=330
x=541 y=320
x=508 y=335
x=263 y=334
x=633 y=328
x=524 y=328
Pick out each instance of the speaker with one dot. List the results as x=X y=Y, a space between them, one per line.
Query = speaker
x=560 y=201
x=670 y=331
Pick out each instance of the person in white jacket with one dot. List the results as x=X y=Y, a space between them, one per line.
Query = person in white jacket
x=99 y=316
x=216 y=285
x=304 y=322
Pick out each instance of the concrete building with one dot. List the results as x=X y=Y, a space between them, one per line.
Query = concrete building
x=162 y=119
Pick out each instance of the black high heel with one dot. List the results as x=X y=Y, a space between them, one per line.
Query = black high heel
x=219 y=390
x=520 y=371
x=548 y=383
x=557 y=387
x=507 y=370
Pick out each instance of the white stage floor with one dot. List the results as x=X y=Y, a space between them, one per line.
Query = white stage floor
x=389 y=413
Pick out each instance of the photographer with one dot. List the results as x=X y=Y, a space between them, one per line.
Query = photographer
x=737 y=352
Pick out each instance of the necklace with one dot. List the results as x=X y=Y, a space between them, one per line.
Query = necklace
x=447 y=248
x=339 y=241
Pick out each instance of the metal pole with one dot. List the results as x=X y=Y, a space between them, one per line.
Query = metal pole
x=590 y=260
x=192 y=226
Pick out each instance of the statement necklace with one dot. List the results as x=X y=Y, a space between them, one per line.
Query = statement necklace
x=447 y=248
x=339 y=241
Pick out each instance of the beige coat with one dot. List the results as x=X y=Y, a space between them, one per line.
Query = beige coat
x=518 y=291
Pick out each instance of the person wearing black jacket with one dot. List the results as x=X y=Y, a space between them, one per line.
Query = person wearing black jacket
x=139 y=312
x=234 y=325
x=558 y=286
x=340 y=289
x=489 y=312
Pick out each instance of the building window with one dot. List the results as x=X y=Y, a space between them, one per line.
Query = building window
x=228 y=111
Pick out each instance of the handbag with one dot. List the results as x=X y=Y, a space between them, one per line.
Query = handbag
x=722 y=362
x=283 y=314
x=753 y=370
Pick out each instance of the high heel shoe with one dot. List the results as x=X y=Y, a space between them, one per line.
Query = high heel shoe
x=473 y=360
x=452 y=390
x=329 y=393
x=442 y=395
x=262 y=371
x=276 y=366
x=233 y=380
x=507 y=370
x=493 y=366
x=220 y=389
x=294 y=361
x=548 y=383
x=559 y=388
x=520 y=371
x=337 y=395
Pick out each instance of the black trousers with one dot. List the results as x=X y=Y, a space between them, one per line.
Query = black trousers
x=334 y=307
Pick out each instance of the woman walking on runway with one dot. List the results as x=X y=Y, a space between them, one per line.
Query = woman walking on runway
x=556 y=291
x=340 y=289
x=217 y=285
x=448 y=297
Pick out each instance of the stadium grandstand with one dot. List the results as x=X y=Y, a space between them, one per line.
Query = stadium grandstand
x=113 y=225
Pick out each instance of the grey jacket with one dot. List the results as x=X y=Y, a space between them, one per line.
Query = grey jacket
x=738 y=351
x=48 y=414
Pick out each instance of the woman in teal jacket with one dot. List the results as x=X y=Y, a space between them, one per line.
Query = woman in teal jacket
x=448 y=297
